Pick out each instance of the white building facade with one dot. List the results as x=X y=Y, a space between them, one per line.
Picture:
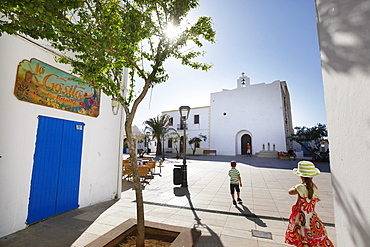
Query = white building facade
x=32 y=174
x=197 y=124
x=258 y=114
x=344 y=37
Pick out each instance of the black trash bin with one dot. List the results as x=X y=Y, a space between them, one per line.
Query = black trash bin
x=177 y=176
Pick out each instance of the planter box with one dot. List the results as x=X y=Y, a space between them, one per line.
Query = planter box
x=181 y=236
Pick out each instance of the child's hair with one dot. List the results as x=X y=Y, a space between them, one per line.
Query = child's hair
x=309 y=186
x=233 y=164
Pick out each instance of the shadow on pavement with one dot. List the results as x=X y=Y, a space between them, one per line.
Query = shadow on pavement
x=255 y=161
x=249 y=215
x=61 y=230
x=214 y=239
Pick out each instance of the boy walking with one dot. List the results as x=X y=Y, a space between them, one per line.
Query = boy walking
x=235 y=181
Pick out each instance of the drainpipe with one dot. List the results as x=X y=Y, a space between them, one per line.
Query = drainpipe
x=120 y=139
x=119 y=158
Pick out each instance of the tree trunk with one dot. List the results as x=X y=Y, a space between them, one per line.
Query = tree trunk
x=159 y=147
x=135 y=170
x=137 y=186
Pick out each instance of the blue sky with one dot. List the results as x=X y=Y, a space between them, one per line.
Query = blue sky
x=268 y=40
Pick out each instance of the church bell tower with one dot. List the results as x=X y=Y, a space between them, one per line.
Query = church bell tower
x=243 y=81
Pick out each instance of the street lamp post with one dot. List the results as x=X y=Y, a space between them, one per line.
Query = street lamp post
x=184 y=113
x=164 y=131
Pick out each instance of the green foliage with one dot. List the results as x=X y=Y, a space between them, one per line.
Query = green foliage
x=195 y=140
x=158 y=128
x=305 y=134
x=312 y=137
x=173 y=135
x=125 y=144
x=101 y=37
x=174 y=138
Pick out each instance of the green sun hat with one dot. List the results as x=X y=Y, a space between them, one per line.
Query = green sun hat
x=306 y=169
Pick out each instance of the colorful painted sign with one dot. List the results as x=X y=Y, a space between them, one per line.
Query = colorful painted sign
x=43 y=84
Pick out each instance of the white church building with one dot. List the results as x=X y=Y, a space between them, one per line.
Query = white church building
x=258 y=114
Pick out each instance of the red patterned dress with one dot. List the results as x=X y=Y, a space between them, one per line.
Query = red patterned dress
x=305 y=229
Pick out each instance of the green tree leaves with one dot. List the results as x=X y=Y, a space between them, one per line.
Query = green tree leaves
x=158 y=128
x=196 y=140
x=310 y=138
x=99 y=38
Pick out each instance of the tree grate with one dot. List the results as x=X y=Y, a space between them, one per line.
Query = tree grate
x=261 y=234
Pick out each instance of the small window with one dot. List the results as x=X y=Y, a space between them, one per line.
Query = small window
x=169 y=143
x=170 y=121
x=197 y=145
x=196 y=119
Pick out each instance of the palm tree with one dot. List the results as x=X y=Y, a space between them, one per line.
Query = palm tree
x=196 y=140
x=175 y=138
x=158 y=127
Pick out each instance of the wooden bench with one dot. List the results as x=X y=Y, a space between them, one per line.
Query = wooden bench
x=209 y=152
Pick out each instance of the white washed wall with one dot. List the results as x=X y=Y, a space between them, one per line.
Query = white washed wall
x=255 y=110
x=193 y=129
x=18 y=127
x=343 y=28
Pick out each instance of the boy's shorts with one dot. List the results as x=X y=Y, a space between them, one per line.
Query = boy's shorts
x=234 y=187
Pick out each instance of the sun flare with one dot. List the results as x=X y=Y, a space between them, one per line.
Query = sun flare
x=173 y=31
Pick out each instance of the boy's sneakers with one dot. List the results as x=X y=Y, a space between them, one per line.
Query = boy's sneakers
x=240 y=200
x=234 y=202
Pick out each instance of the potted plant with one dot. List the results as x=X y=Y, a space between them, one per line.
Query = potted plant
x=125 y=147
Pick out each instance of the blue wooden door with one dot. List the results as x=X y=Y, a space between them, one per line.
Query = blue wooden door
x=56 y=169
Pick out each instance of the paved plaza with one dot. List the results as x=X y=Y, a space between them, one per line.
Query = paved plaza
x=205 y=205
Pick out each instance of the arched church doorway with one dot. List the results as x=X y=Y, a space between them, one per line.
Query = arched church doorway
x=244 y=141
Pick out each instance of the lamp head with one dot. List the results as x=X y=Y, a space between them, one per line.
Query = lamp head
x=184 y=112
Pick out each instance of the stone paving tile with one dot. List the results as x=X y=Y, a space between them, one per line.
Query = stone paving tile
x=264 y=193
x=331 y=234
x=85 y=239
x=210 y=237
x=240 y=222
x=212 y=220
x=112 y=220
x=99 y=228
x=228 y=240
x=240 y=233
x=34 y=241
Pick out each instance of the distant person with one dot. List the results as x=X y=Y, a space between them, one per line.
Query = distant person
x=235 y=181
x=292 y=153
x=249 y=150
x=305 y=228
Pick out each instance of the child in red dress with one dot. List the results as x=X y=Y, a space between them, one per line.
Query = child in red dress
x=305 y=229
